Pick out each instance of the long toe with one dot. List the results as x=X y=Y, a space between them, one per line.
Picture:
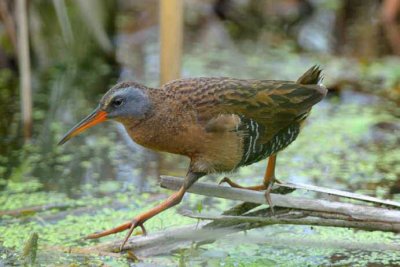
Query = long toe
x=268 y=198
x=120 y=228
x=225 y=180
x=135 y=223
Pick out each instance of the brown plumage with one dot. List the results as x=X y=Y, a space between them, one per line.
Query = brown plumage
x=221 y=124
x=210 y=119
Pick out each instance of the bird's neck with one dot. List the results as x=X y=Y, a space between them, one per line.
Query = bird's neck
x=161 y=125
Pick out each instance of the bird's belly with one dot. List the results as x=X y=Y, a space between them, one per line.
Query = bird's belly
x=218 y=152
x=209 y=152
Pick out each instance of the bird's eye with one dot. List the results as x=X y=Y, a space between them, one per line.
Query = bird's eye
x=117 y=102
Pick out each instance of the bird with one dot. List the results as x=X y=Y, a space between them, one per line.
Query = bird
x=220 y=123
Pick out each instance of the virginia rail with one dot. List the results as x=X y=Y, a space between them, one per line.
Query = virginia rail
x=220 y=123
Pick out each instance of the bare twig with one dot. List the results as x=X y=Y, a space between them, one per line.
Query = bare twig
x=303 y=218
x=341 y=193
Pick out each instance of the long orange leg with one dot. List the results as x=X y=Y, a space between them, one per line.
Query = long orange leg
x=139 y=220
x=269 y=180
x=269 y=176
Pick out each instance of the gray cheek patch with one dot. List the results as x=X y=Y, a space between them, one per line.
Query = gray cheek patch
x=136 y=105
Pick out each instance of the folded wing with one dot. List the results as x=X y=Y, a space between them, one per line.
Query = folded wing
x=273 y=105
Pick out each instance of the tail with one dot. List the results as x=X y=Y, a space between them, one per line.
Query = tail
x=312 y=76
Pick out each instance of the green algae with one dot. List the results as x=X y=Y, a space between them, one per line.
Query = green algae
x=10 y=186
x=99 y=216
x=69 y=230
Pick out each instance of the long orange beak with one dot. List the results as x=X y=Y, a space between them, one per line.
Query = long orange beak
x=96 y=117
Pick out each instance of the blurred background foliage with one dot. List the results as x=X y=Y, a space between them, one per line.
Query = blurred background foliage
x=80 y=48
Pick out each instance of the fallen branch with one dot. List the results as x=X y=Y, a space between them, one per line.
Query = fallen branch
x=167 y=241
x=171 y=239
x=353 y=211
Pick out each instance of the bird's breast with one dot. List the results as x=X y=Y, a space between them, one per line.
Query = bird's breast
x=209 y=151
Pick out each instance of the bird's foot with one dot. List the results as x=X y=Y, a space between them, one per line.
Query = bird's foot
x=268 y=196
x=230 y=182
x=139 y=220
x=235 y=185
x=267 y=188
x=131 y=225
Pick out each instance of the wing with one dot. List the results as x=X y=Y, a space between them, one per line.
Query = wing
x=272 y=104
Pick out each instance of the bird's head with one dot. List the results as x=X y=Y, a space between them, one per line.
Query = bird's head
x=125 y=101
